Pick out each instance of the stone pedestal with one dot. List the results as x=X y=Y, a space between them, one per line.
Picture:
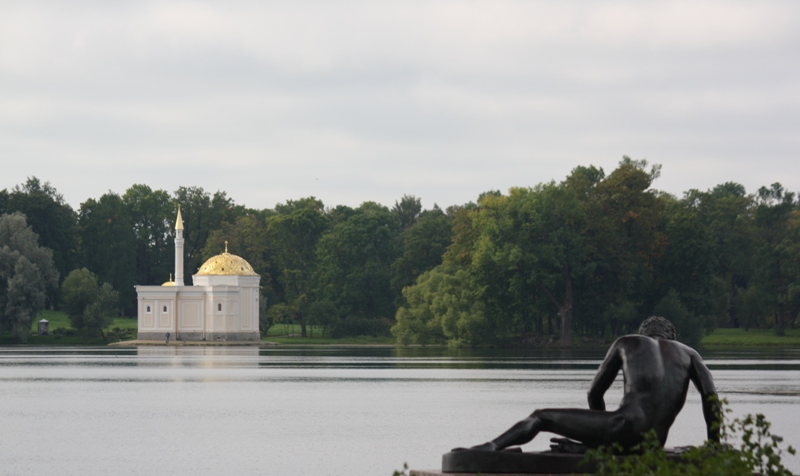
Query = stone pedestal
x=433 y=472
x=514 y=462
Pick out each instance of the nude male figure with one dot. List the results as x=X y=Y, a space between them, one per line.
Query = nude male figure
x=656 y=370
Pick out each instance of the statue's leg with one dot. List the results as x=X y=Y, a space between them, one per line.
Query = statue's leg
x=587 y=426
x=519 y=434
x=590 y=427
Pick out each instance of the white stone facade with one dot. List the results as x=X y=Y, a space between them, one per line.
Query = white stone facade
x=215 y=308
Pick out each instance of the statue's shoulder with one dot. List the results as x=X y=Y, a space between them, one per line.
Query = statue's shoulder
x=631 y=339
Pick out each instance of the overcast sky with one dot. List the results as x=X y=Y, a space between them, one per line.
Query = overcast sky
x=356 y=101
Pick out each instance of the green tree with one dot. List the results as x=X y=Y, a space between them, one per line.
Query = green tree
x=775 y=213
x=108 y=245
x=443 y=306
x=355 y=260
x=726 y=211
x=479 y=249
x=689 y=266
x=748 y=447
x=100 y=314
x=89 y=305
x=152 y=215
x=624 y=226
x=561 y=250
x=294 y=233
x=688 y=326
x=423 y=245
x=529 y=253
x=51 y=218
x=27 y=274
x=754 y=306
x=408 y=210
x=466 y=232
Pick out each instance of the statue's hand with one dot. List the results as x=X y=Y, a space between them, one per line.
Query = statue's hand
x=565 y=445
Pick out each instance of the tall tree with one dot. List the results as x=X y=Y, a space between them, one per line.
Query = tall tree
x=108 y=245
x=625 y=227
x=51 y=218
x=686 y=273
x=355 y=262
x=408 y=210
x=726 y=211
x=152 y=217
x=423 y=245
x=465 y=233
x=294 y=233
x=90 y=305
x=775 y=214
x=27 y=273
x=531 y=244
x=444 y=305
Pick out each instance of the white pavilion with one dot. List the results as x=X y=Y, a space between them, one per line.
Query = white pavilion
x=221 y=304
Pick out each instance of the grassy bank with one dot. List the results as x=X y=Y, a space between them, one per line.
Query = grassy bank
x=290 y=335
x=281 y=334
x=59 y=320
x=751 y=338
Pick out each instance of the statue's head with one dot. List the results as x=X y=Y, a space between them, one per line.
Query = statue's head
x=658 y=326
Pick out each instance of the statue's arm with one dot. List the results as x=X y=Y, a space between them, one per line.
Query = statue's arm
x=702 y=380
x=605 y=377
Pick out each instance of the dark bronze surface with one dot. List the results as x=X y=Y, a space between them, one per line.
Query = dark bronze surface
x=657 y=371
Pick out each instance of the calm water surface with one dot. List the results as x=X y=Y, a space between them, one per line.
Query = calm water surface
x=316 y=411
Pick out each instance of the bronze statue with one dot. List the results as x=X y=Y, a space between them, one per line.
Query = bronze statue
x=656 y=370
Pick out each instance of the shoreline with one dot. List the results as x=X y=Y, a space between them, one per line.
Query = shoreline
x=263 y=343
x=723 y=338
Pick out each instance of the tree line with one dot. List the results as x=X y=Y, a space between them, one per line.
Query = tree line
x=589 y=256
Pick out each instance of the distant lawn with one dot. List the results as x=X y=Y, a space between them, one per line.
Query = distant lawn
x=319 y=340
x=281 y=334
x=7 y=339
x=59 y=320
x=752 y=337
x=290 y=334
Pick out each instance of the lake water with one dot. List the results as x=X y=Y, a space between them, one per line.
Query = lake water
x=317 y=411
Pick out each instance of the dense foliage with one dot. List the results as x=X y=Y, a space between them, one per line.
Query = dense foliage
x=589 y=256
x=89 y=304
x=27 y=275
x=747 y=447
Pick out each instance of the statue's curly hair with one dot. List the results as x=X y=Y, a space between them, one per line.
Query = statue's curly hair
x=658 y=326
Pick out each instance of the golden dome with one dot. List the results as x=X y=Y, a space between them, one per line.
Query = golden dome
x=226 y=264
x=170 y=282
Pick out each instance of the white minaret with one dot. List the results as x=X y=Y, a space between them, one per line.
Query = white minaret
x=179 y=249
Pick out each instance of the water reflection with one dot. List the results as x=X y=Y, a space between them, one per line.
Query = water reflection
x=198 y=356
